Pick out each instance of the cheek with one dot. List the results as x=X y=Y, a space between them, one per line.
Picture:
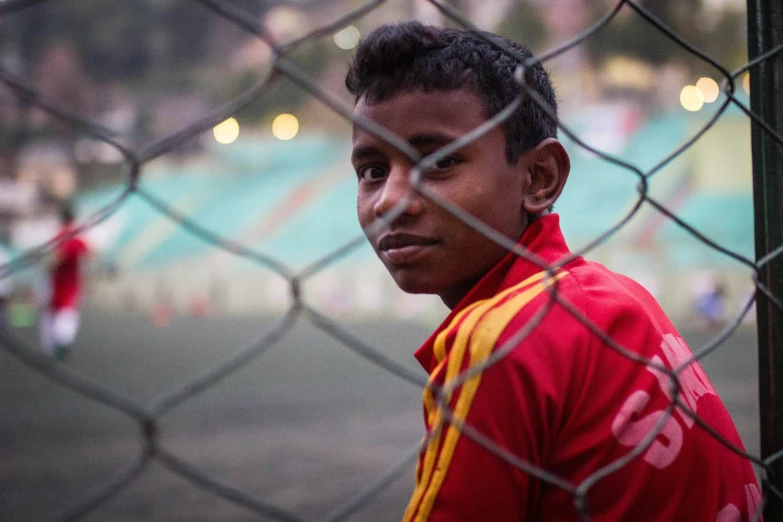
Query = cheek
x=492 y=205
x=364 y=211
x=499 y=211
x=503 y=204
x=361 y=208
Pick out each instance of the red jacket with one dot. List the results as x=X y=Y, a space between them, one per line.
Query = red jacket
x=66 y=277
x=562 y=409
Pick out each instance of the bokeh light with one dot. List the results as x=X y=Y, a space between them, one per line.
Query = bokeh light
x=691 y=98
x=709 y=88
x=285 y=126
x=348 y=38
x=227 y=131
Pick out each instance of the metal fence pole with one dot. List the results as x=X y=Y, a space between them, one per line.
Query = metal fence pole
x=765 y=31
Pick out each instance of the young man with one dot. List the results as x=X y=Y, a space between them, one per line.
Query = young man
x=59 y=321
x=541 y=382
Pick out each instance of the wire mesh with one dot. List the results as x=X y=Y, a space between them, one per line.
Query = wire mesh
x=149 y=415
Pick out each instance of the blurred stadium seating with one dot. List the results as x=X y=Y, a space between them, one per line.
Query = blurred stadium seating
x=296 y=204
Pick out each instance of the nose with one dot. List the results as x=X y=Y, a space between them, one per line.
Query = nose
x=397 y=188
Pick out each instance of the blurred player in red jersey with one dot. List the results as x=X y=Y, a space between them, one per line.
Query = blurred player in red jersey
x=59 y=321
x=6 y=286
x=531 y=396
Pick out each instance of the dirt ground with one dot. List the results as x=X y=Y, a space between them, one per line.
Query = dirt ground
x=304 y=427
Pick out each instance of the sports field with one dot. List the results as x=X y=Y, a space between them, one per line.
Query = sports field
x=304 y=426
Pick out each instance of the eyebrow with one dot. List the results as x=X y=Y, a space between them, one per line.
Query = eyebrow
x=426 y=140
x=361 y=153
x=419 y=141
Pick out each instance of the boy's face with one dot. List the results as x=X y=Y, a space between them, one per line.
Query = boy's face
x=426 y=249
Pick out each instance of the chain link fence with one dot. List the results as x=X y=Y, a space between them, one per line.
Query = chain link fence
x=149 y=415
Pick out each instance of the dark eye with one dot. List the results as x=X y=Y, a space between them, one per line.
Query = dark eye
x=445 y=163
x=371 y=173
x=448 y=161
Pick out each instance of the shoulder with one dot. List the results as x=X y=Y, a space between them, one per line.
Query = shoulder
x=585 y=318
x=558 y=315
x=476 y=332
x=615 y=303
x=591 y=298
x=488 y=320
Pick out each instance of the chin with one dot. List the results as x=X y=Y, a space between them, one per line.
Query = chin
x=415 y=283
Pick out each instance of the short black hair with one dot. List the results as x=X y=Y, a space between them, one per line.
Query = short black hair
x=410 y=55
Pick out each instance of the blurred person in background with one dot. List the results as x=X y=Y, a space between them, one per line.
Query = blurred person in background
x=6 y=286
x=59 y=321
x=709 y=297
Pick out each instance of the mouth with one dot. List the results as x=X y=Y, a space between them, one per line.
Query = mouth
x=404 y=248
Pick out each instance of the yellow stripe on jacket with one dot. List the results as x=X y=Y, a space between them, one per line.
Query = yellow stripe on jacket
x=478 y=326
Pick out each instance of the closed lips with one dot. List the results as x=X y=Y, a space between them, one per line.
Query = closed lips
x=393 y=241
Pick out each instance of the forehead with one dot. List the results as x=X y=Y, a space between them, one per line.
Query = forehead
x=413 y=113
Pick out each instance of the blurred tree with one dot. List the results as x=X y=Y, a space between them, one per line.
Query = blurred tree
x=719 y=32
x=148 y=47
x=60 y=77
x=524 y=24
x=114 y=48
x=123 y=40
x=628 y=34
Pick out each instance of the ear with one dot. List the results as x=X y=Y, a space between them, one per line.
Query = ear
x=548 y=167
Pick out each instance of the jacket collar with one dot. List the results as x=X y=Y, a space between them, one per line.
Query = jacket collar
x=543 y=239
